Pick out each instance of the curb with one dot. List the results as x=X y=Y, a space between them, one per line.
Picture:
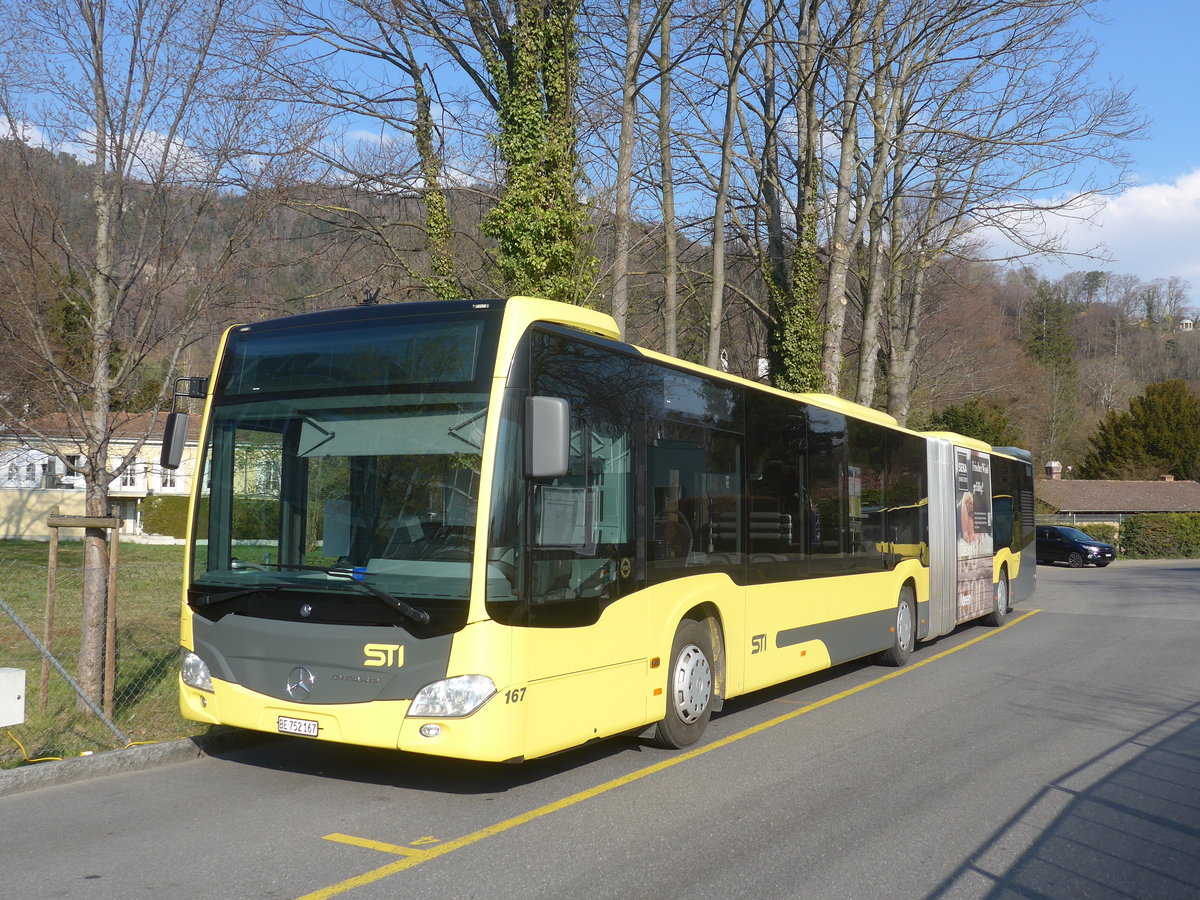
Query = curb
x=130 y=759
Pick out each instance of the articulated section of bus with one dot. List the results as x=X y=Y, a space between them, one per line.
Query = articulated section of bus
x=490 y=531
x=981 y=532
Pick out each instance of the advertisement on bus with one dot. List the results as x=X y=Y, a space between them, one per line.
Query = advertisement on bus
x=972 y=494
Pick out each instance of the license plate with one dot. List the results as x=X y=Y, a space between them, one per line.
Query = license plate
x=305 y=727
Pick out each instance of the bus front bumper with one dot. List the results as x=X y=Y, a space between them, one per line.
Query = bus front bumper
x=493 y=733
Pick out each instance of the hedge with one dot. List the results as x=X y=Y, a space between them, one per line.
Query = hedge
x=165 y=515
x=1161 y=536
x=253 y=519
x=1102 y=531
x=256 y=519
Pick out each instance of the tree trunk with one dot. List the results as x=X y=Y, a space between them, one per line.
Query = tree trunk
x=95 y=594
x=886 y=100
x=840 y=240
x=717 y=301
x=777 y=262
x=877 y=280
x=102 y=277
x=442 y=279
x=623 y=212
x=905 y=338
x=670 y=232
x=795 y=340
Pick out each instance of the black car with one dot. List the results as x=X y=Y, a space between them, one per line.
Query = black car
x=1061 y=543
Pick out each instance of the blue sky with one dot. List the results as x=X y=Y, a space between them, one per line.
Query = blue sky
x=1151 y=46
x=1152 y=230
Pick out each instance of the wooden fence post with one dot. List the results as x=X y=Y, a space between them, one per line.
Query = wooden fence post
x=110 y=623
x=51 y=596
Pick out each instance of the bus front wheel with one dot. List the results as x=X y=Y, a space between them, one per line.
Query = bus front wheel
x=904 y=634
x=689 y=687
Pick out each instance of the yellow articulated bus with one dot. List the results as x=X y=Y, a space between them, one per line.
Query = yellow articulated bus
x=490 y=530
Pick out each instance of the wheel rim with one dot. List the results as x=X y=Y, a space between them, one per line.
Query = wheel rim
x=1002 y=595
x=691 y=684
x=1075 y=560
x=904 y=626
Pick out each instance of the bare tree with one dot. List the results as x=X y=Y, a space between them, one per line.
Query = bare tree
x=1003 y=125
x=167 y=120
x=363 y=65
x=639 y=40
x=733 y=46
x=665 y=63
x=843 y=231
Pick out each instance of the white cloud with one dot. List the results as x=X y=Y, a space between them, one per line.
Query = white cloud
x=152 y=155
x=33 y=135
x=1149 y=231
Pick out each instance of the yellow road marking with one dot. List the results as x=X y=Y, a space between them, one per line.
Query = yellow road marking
x=396 y=849
x=413 y=856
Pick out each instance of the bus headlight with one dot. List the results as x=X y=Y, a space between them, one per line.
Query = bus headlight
x=459 y=696
x=195 y=671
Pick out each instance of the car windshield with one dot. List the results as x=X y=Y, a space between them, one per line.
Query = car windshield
x=1075 y=534
x=315 y=479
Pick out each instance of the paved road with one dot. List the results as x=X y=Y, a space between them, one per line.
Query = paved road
x=1058 y=757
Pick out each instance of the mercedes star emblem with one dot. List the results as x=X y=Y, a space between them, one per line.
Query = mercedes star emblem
x=299 y=683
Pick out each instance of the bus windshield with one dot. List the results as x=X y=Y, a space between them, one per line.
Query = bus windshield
x=344 y=489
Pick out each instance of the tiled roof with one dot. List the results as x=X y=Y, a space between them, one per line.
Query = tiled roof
x=1077 y=496
x=125 y=426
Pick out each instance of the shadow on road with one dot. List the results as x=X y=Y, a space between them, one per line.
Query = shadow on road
x=432 y=774
x=414 y=771
x=1125 y=824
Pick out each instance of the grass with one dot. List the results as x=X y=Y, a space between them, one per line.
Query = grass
x=145 y=704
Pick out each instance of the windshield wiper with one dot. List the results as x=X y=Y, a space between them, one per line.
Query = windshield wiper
x=214 y=599
x=420 y=616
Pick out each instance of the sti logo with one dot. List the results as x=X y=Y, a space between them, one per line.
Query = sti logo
x=383 y=656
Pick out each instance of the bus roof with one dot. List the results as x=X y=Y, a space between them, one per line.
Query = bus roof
x=523 y=311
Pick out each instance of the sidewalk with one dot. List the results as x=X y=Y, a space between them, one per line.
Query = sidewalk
x=131 y=759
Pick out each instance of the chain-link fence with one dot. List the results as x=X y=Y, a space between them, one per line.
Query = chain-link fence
x=143 y=703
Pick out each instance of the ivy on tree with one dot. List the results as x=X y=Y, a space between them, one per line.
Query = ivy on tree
x=539 y=224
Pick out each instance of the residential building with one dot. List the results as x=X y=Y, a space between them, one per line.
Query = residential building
x=34 y=479
x=1082 y=501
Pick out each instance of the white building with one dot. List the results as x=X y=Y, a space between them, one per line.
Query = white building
x=34 y=480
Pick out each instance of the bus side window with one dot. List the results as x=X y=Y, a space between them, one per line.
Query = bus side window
x=1002 y=522
x=695 y=501
x=828 y=480
x=779 y=514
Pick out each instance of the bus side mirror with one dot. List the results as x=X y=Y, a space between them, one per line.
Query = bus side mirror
x=174 y=437
x=547 y=437
x=175 y=434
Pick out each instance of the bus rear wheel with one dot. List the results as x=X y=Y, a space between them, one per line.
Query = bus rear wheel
x=904 y=634
x=999 y=614
x=689 y=687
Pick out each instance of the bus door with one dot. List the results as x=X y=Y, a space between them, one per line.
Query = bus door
x=583 y=651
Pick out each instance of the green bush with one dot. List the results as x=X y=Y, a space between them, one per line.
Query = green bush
x=1102 y=531
x=165 y=515
x=1162 y=536
x=256 y=519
